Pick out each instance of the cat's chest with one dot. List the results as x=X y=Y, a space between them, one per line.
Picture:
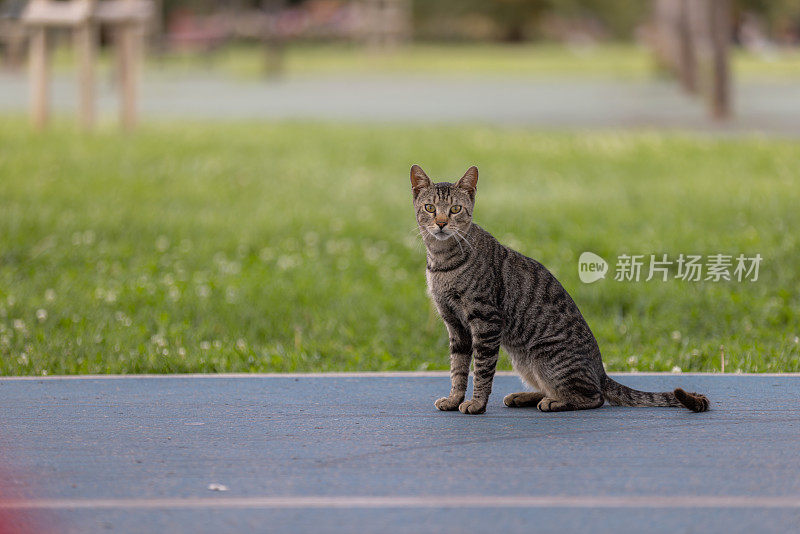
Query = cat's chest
x=446 y=287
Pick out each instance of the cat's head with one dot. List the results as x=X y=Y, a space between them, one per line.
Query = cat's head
x=444 y=209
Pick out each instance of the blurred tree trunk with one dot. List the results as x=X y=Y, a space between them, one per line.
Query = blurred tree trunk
x=720 y=18
x=274 y=41
x=514 y=17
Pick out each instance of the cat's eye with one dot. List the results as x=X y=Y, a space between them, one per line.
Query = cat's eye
x=430 y=208
x=455 y=209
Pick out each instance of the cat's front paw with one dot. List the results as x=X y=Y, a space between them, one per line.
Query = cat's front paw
x=472 y=407
x=448 y=404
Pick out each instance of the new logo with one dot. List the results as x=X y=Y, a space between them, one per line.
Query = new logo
x=591 y=267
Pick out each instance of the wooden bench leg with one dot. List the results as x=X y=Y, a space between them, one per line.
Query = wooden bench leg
x=128 y=50
x=40 y=77
x=85 y=47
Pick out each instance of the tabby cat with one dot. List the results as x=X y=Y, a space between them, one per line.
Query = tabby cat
x=491 y=296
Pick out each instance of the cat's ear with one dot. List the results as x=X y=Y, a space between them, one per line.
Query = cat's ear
x=469 y=182
x=419 y=180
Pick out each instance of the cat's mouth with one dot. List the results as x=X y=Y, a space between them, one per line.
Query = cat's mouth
x=441 y=234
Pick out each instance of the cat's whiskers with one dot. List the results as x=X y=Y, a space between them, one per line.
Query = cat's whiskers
x=417 y=231
x=460 y=235
x=455 y=234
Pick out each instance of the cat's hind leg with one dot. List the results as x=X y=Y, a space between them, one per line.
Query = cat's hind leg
x=548 y=404
x=523 y=398
x=527 y=374
x=570 y=384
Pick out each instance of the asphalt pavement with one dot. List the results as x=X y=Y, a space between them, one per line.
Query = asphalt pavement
x=370 y=453
x=761 y=106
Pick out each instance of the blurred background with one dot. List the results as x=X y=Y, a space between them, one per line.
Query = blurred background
x=198 y=186
x=581 y=63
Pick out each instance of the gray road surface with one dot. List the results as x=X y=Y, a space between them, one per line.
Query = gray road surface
x=372 y=454
x=771 y=107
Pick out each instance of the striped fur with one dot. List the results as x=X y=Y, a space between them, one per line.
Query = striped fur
x=491 y=296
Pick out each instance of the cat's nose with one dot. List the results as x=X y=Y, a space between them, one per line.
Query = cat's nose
x=441 y=224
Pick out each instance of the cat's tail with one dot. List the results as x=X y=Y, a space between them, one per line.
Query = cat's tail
x=616 y=393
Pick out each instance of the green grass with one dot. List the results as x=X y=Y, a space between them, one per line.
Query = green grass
x=435 y=60
x=617 y=61
x=203 y=247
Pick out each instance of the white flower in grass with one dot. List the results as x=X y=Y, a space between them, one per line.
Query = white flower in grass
x=181 y=352
x=241 y=345
x=162 y=243
x=108 y=295
x=385 y=272
x=230 y=294
x=49 y=295
x=372 y=253
x=122 y=318
x=266 y=254
x=41 y=315
x=205 y=345
x=676 y=335
x=174 y=293
x=287 y=262
x=225 y=266
x=676 y=369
